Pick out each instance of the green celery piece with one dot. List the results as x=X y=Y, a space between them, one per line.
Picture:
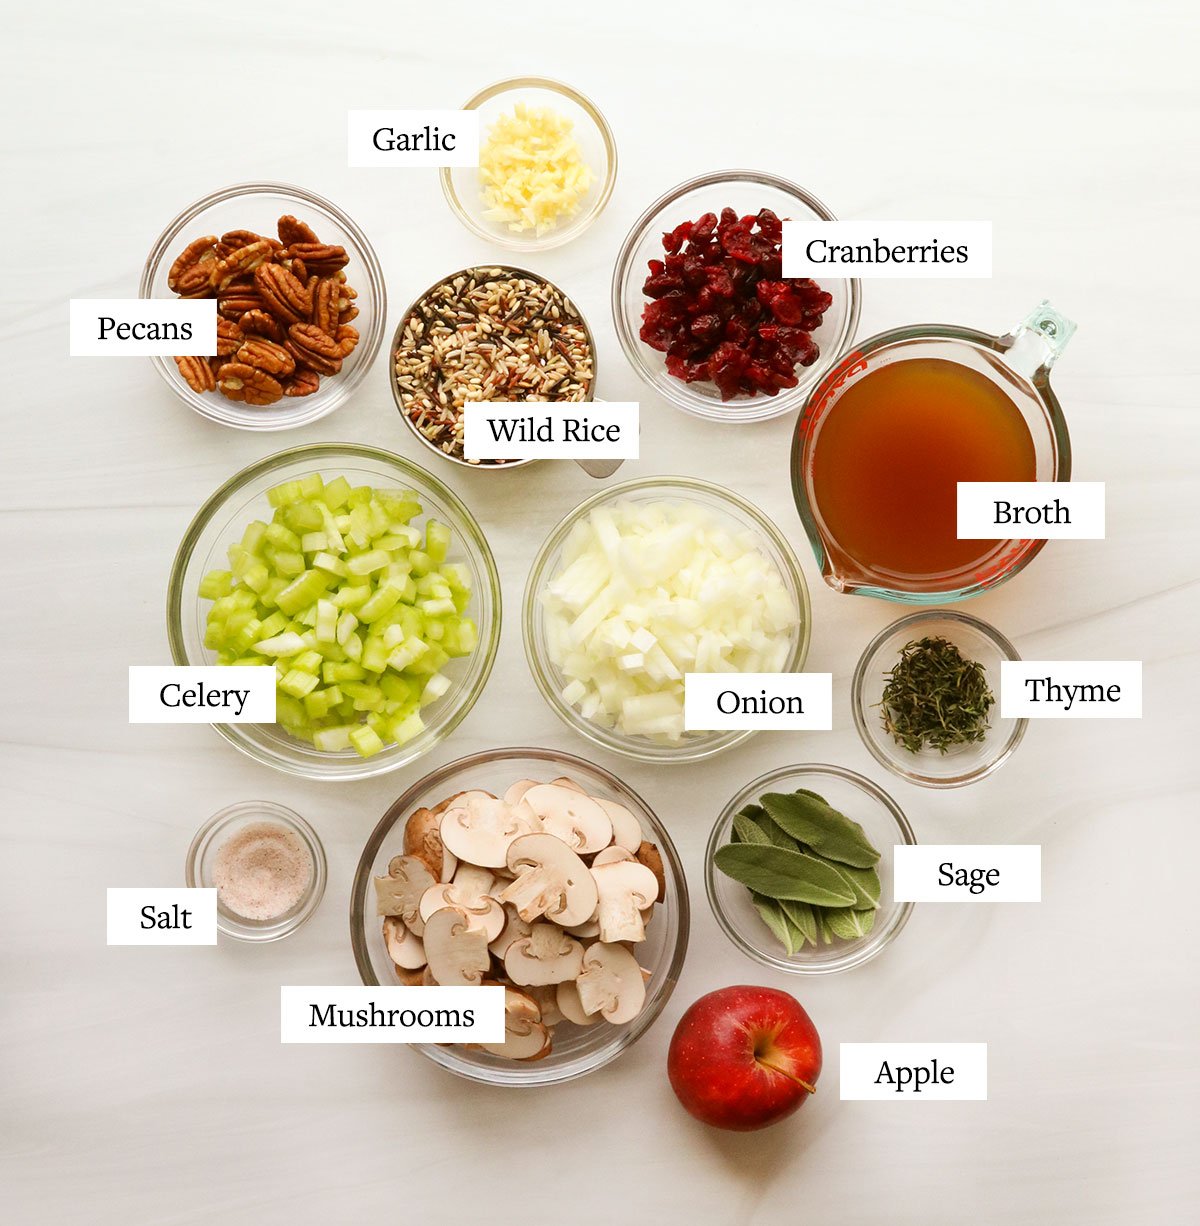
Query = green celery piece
x=381 y=602
x=285 y=494
x=312 y=485
x=334 y=674
x=303 y=591
x=336 y=494
x=366 y=741
x=330 y=740
x=287 y=562
x=215 y=584
x=437 y=608
x=304 y=517
x=297 y=684
x=281 y=537
x=404 y=730
x=371 y=560
x=437 y=540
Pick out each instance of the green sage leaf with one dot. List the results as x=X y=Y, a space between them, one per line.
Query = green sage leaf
x=823 y=828
x=781 y=928
x=846 y=923
x=748 y=831
x=782 y=874
x=802 y=916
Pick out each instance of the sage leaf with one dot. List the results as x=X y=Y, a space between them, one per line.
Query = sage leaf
x=868 y=921
x=826 y=932
x=865 y=884
x=782 y=874
x=845 y=923
x=823 y=828
x=781 y=928
x=802 y=916
x=748 y=831
x=776 y=833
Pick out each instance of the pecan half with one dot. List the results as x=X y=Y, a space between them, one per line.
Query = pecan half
x=198 y=252
x=193 y=282
x=325 y=306
x=244 y=238
x=259 y=323
x=302 y=383
x=347 y=315
x=229 y=337
x=248 y=384
x=293 y=230
x=237 y=263
x=313 y=348
x=197 y=373
x=347 y=338
x=320 y=258
x=237 y=300
x=298 y=270
x=284 y=296
x=266 y=355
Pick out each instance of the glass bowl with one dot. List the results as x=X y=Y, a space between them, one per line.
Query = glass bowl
x=747 y=191
x=258 y=206
x=577 y=1050
x=550 y=681
x=462 y=186
x=213 y=835
x=860 y=800
x=505 y=270
x=221 y=521
x=962 y=764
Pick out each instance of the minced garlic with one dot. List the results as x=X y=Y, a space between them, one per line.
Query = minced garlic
x=532 y=169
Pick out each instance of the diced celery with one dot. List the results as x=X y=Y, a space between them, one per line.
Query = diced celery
x=288 y=562
x=303 y=591
x=437 y=540
x=422 y=563
x=304 y=517
x=309 y=662
x=407 y=728
x=374 y=655
x=385 y=599
x=337 y=492
x=360 y=495
x=351 y=597
x=281 y=645
x=330 y=740
x=314 y=542
x=366 y=741
x=334 y=673
x=312 y=485
x=273 y=625
x=437 y=608
x=435 y=688
x=326 y=626
x=298 y=684
x=281 y=537
x=215 y=584
x=284 y=494
x=365 y=563
x=346 y=625
x=407 y=653
x=326 y=561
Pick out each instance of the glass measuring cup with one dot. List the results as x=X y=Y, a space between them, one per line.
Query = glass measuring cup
x=1019 y=364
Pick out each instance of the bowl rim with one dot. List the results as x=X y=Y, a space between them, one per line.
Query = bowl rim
x=556 y=237
x=305 y=412
x=466 y=523
x=762 y=407
x=858 y=952
x=628 y=1034
x=858 y=704
x=531 y=611
x=515 y=270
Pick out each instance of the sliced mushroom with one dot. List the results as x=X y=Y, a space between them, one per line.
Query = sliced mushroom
x=571 y=815
x=404 y=946
x=478 y=828
x=566 y=996
x=648 y=855
x=552 y=881
x=611 y=983
x=625 y=889
x=563 y=782
x=587 y=930
x=612 y=854
x=514 y=927
x=441 y=807
x=457 y=953
x=423 y=840
x=412 y=979
x=546 y=955
x=525 y=1037
x=516 y=793
x=546 y=997
x=469 y=892
x=627 y=830
x=399 y=893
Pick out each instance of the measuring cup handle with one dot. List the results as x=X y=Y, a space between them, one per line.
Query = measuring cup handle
x=1036 y=342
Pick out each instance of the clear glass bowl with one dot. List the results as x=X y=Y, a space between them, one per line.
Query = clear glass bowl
x=222 y=520
x=577 y=1049
x=258 y=206
x=221 y=827
x=859 y=799
x=433 y=449
x=964 y=763
x=463 y=187
x=550 y=681
x=747 y=191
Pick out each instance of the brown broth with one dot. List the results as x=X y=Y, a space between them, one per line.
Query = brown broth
x=889 y=455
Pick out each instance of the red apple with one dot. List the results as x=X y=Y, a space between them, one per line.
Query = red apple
x=744 y=1057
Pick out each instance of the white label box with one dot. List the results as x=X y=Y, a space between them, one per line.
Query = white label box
x=1071 y=689
x=887 y=250
x=391 y=1015
x=967 y=872
x=202 y=694
x=1031 y=510
x=724 y=702
x=917 y=1072
x=137 y=327
x=401 y=138
x=524 y=430
x=161 y=915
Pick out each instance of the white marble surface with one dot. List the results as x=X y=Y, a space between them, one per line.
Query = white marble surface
x=149 y=1086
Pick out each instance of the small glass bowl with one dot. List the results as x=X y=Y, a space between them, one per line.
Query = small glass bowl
x=222 y=520
x=861 y=801
x=506 y=270
x=696 y=745
x=463 y=187
x=577 y=1050
x=747 y=191
x=221 y=827
x=964 y=763
x=258 y=206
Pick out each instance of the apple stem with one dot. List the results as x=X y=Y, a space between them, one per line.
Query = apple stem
x=790 y=1076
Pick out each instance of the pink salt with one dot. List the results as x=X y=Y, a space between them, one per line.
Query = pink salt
x=262 y=871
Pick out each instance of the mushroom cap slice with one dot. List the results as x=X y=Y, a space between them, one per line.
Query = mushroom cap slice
x=589 y=929
x=611 y=983
x=612 y=854
x=627 y=830
x=566 y=996
x=514 y=927
x=478 y=828
x=457 y=954
x=649 y=855
x=517 y=791
x=546 y=997
x=571 y=815
x=399 y=893
x=423 y=839
x=547 y=955
x=481 y=909
x=403 y=945
x=525 y=1037
x=563 y=782
x=551 y=881
x=625 y=888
